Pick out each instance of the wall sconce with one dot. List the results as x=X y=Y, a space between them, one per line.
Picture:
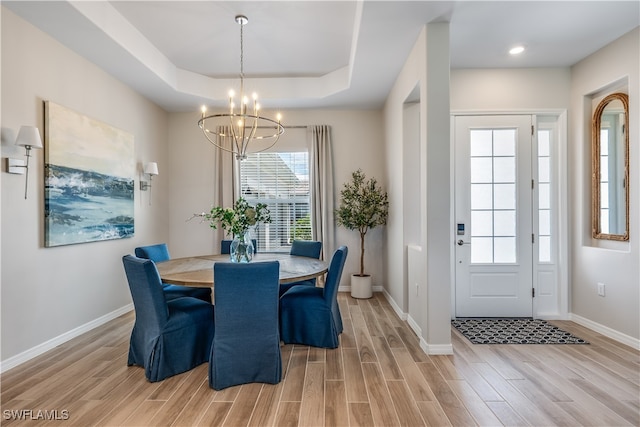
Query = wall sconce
x=28 y=137
x=150 y=169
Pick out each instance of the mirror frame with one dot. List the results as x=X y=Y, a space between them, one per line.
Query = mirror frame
x=595 y=159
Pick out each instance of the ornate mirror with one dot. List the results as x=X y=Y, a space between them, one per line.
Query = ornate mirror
x=610 y=159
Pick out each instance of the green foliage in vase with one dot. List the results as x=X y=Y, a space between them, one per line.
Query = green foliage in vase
x=238 y=219
x=363 y=206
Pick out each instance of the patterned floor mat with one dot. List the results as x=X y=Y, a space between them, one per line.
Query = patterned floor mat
x=513 y=331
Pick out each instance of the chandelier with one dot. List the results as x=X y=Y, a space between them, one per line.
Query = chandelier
x=247 y=130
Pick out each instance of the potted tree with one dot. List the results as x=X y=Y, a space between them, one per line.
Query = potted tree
x=363 y=206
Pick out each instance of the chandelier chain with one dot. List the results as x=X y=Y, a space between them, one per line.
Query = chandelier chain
x=241 y=54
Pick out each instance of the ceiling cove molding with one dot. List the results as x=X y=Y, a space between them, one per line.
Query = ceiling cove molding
x=137 y=47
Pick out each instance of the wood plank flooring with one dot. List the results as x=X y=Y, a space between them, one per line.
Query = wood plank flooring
x=378 y=376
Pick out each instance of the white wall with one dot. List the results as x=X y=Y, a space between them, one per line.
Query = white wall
x=616 y=264
x=518 y=89
x=411 y=211
x=426 y=67
x=48 y=293
x=357 y=143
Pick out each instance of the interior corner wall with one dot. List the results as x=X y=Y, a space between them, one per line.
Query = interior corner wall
x=428 y=68
x=395 y=160
x=357 y=141
x=618 y=264
x=48 y=294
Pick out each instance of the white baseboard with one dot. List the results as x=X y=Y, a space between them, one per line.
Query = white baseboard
x=396 y=308
x=27 y=355
x=414 y=326
x=606 y=331
x=551 y=316
x=436 y=349
x=430 y=349
x=375 y=288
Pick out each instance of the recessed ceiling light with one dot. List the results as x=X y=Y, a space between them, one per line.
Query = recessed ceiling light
x=516 y=50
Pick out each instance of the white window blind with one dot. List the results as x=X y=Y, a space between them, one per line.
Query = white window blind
x=281 y=181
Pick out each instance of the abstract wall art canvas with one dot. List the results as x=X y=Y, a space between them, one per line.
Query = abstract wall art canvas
x=89 y=179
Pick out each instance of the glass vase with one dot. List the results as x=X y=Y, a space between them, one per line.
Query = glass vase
x=242 y=248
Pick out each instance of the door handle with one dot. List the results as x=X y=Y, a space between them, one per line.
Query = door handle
x=462 y=242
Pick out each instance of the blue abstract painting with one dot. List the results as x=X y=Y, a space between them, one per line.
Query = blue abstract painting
x=89 y=179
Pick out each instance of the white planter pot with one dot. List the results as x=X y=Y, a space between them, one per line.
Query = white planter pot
x=361 y=286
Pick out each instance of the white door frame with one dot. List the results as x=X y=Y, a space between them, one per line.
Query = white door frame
x=491 y=287
x=557 y=307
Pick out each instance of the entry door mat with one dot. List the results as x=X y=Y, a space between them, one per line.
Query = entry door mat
x=513 y=331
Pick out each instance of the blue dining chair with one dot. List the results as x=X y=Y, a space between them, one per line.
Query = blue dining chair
x=169 y=337
x=246 y=345
x=225 y=246
x=308 y=248
x=310 y=315
x=159 y=253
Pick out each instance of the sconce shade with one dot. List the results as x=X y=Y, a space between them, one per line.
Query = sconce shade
x=29 y=136
x=151 y=168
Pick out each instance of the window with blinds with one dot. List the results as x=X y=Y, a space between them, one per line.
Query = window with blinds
x=281 y=181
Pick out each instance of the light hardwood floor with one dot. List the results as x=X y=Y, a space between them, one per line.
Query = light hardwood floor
x=377 y=377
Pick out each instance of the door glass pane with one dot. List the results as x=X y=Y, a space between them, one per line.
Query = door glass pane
x=504 y=143
x=544 y=249
x=544 y=199
x=544 y=195
x=493 y=195
x=544 y=222
x=604 y=142
x=604 y=196
x=481 y=223
x=481 y=250
x=481 y=196
x=544 y=143
x=504 y=169
x=505 y=196
x=504 y=249
x=504 y=223
x=604 y=220
x=543 y=170
x=480 y=140
x=604 y=169
x=481 y=170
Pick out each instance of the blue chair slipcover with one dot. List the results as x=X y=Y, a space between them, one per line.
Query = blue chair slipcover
x=246 y=345
x=310 y=315
x=168 y=337
x=308 y=248
x=225 y=246
x=160 y=252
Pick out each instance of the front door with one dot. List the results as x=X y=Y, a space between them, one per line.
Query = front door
x=493 y=209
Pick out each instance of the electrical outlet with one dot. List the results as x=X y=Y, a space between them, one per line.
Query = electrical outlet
x=601 y=289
